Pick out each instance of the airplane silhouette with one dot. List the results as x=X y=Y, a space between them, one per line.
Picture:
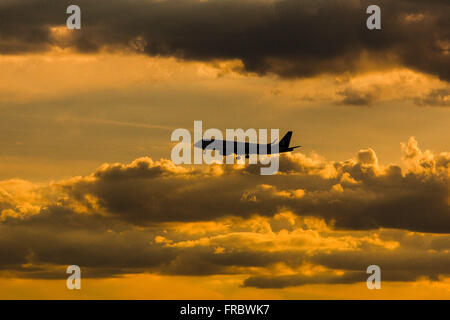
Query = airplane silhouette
x=245 y=148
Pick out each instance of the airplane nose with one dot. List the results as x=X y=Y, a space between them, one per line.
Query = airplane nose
x=202 y=144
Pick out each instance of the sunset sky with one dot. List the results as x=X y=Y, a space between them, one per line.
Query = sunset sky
x=86 y=179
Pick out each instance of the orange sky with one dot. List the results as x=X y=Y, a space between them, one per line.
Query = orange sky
x=85 y=175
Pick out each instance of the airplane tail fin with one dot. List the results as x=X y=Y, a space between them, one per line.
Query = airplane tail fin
x=284 y=142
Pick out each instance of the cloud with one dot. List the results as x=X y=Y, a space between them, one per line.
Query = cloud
x=358 y=98
x=355 y=194
x=278 y=282
x=287 y=37
x=435 y=98
x=316 y=222
x=367 y=156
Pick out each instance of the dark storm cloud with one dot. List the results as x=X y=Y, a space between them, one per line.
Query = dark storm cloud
x=289 y=38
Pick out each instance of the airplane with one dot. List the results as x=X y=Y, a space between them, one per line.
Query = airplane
x=246 y=148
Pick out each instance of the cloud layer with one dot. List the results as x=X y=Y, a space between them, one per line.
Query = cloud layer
x=288 y=38
x=317 y=221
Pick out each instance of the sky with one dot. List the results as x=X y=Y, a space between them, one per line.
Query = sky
x=86 y=179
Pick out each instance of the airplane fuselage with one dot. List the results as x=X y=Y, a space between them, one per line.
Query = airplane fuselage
x=226 y=148
x=242 y=148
